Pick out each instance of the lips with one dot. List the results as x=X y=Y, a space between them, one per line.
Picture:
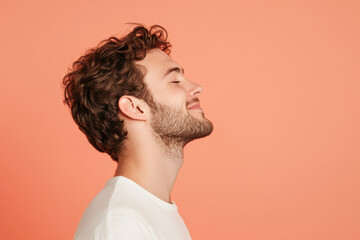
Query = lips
x=194 y=106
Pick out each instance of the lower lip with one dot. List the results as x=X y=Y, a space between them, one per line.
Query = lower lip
x=196 y=108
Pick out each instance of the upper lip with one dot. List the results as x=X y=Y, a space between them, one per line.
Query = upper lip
x=197 y=104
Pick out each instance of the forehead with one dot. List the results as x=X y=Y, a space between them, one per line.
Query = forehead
x=156 y=63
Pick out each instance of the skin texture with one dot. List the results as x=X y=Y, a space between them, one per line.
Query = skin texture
x=159 y=131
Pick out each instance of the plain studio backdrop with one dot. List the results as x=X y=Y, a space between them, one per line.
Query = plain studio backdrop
x=281 y=85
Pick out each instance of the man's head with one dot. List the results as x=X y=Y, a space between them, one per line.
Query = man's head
x=120 y=73
x=173 y=122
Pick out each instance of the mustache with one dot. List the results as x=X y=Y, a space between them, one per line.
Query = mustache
x=195 y=100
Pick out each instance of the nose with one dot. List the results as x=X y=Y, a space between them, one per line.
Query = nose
x=196 y=89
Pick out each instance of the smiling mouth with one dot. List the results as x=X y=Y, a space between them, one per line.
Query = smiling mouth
x=195 y=106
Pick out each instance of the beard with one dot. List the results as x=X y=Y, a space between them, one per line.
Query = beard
x=174 y=127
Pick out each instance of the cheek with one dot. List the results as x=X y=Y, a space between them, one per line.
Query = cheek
x=177 y=93
x=172 y=96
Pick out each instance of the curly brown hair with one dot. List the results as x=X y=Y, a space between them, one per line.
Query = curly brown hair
x=101 y=76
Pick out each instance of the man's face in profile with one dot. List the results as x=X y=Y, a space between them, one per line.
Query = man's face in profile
x=173 y=95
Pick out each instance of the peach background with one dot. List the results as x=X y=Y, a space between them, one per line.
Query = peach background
x=281 y=85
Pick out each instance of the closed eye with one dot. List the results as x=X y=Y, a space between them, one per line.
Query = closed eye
x=175 y=81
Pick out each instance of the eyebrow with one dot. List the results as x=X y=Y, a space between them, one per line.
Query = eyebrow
x=174 y=69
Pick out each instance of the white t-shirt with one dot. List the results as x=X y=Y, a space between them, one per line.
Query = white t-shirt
x=123 y=210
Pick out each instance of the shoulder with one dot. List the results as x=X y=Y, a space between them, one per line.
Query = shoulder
x=125 y=227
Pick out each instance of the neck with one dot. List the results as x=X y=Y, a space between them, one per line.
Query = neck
x=154 y=168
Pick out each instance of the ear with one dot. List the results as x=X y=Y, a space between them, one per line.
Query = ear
x=132 y=107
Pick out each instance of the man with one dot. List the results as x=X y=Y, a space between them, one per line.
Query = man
x=133 y=102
